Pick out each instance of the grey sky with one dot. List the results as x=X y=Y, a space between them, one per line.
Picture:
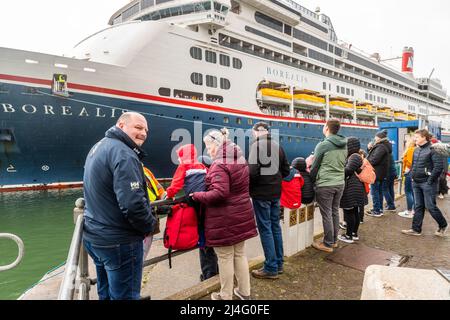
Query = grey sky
x=383 y=26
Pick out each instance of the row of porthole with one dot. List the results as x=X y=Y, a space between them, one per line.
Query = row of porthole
x=211 y=57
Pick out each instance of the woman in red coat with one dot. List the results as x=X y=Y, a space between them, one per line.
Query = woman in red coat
x=229 y=216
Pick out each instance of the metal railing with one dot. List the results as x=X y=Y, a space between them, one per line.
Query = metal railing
x=20 y=246
x=76 y=273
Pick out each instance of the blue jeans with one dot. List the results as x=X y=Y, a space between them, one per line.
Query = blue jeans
x=389 y=193
x=119 y=270
x=409 y=192
x=268 y=221
x=425 y=198
x=376 y=191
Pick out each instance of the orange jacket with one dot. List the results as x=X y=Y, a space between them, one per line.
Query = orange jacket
x=408 y=159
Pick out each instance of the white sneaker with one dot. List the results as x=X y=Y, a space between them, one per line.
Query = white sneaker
x=441 y=232
x=441 y=197
x=406 y=214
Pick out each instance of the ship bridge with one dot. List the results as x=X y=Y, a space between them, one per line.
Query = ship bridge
x=211 y=13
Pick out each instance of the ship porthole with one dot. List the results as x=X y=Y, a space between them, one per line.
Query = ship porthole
x=45 y=168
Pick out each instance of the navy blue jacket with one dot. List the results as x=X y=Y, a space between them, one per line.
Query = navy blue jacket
x=427 y=165
x=117 y=207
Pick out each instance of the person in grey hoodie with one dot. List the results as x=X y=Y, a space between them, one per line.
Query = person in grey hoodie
x=328 y=174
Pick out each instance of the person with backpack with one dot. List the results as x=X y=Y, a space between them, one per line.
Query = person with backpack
x=426 y=169
x=328 y=173
x=308 y=193
x=379 y=157
x=291 y=190
x=354 y=195
x=190 y=173
x=406 y=172
x=229 y=215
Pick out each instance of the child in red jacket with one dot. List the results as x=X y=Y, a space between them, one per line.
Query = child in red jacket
x=190 y=174
x=291 y=190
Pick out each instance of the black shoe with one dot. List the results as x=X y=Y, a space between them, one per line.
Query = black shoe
x=280 y=270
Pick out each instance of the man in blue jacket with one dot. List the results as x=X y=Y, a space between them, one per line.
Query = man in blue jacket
x=117 y=214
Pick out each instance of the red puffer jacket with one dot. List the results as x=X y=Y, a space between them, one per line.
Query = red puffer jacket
x=229 y=216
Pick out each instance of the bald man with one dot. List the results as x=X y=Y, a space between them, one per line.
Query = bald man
x=117 y=214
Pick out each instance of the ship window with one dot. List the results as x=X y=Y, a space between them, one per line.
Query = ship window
x=188 y=95
x=197 y=78
x=289 y=139
x=288 y=29
x=367 y=96
x=235 y=7
x=214 y=98
x=146 y=3
x=3 y=88
x=338 y=51
x=337 y=89
x=268 y=36
x=210 y=56
x=226 y=120
x=224 y=60
x=320 y=57
x=6 y=135
x=268 y=21
x=324 y=86
x=303 y=36
x=353 y=93
x=330 y=48
x=59 y=84
x=164 y=92
x=162 y=1
x=250 y=121
x=211 y=81
x=225 y=84
x=237 y=63
x=238 y=120
x=347 y=91
x=342 y=90
x=130 y=12
x=196 y=53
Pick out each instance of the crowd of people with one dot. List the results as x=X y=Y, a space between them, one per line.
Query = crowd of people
x=236 y=199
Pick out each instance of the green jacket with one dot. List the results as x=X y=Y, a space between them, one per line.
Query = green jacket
x=328 y=167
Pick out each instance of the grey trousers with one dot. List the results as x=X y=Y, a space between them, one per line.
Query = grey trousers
x=329 y=199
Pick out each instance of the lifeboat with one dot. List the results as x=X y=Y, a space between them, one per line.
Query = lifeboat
x=386 y=113
x=339 y=105
x=412 y=117
x=400 y=115
x=308 y=98
x=275 y=96
x=365 y=110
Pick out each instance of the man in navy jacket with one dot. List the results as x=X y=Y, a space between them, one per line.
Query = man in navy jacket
x=117 y=214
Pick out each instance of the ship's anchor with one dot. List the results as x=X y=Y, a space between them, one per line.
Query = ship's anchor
x=11 y=169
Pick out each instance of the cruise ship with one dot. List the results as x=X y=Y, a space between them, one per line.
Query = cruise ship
x=197 y=65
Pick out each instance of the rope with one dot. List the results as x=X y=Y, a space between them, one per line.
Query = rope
x=43 y=280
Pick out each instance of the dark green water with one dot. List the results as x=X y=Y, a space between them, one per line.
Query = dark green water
x=44 y=221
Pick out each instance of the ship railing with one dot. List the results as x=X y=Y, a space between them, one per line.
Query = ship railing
x=20 y=246
x=76 y=283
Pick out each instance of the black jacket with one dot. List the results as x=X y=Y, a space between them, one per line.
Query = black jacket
x=308 y=193
x=117 y=207
x=379 y=158
x=266 y=170
x=354 y=193
x=427 y=165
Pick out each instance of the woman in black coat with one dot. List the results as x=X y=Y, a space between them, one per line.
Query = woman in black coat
x=354 y=193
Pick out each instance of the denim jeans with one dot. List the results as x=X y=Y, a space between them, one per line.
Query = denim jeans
x=425 y=198
x=208 y=262
x=268 y=221
x=409 y=192
x=376 y=191
x=119 y=270
x=389 y=193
